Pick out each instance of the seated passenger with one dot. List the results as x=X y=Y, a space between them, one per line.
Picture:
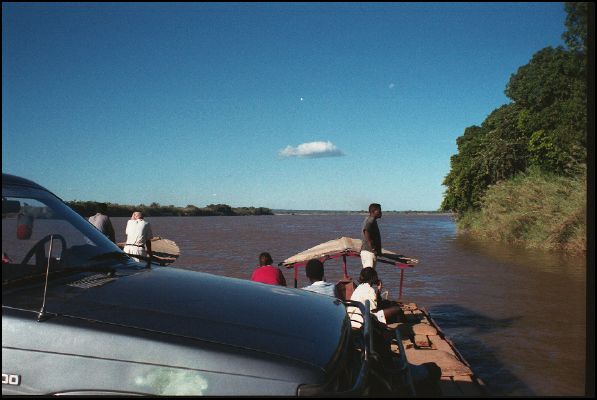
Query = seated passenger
x=267 y=273
x=369 y=289
x=314 y=271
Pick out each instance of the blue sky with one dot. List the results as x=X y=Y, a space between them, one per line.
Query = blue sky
x=281 y=105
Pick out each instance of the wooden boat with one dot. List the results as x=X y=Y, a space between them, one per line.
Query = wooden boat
x=415 y=341
x=164 y=251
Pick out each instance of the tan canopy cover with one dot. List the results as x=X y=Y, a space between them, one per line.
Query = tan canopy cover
x=166 y=246
x=341 y=245
x=332 y=247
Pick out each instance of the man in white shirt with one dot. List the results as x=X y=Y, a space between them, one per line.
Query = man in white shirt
x=138 y=236
x=369 y=288
x=314 y=271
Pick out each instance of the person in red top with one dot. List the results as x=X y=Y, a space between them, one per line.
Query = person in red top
x=267 y=273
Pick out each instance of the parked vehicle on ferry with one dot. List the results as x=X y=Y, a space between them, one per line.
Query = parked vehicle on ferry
x=80 y=317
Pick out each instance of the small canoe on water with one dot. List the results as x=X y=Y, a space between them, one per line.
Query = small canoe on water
x=416 y=342
x=164 y=251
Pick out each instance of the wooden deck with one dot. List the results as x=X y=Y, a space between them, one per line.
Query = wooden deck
x=423 y=342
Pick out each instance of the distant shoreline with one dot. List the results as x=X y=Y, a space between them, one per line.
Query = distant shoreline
x=88 y=208
x=326 y=212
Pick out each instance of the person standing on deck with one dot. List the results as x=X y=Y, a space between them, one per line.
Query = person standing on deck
x=102 y=222
x=267 y=273
x=371 y=237
x=138 y=236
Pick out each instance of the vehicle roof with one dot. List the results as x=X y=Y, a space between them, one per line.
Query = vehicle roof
x=14 y=180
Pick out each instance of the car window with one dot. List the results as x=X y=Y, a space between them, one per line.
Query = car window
x=38 y=228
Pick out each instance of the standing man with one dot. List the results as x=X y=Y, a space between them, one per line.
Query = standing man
x=102 y=222
x=371 y=237
x=138 y=236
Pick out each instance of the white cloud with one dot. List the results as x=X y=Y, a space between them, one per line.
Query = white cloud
x=312 y=150
x=392 y=85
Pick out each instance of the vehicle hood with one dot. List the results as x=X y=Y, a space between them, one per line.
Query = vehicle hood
x=284 y=321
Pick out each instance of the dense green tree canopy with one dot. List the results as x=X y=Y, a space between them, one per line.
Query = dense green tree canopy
x=466 y=179
x=576 y=24
x=552 y=94
x=545 y=125
x=487 y=154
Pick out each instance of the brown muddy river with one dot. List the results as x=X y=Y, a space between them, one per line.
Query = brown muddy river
x=517 y=316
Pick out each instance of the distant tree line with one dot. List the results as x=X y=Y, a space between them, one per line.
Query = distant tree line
x=544 y=127
x=88 y=208
x=358 y=212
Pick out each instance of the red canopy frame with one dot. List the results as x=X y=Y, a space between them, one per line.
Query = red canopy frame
x=350 y=253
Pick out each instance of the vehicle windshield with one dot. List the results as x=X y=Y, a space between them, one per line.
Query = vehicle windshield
x=37 y=227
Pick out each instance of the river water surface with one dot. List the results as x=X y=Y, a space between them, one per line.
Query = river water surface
x=517 y=316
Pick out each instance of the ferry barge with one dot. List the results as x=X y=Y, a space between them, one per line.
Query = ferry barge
x=417 y=340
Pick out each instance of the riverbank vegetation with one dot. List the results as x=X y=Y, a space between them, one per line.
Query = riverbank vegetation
x=535 y=209
x=521 y=175
x=88 y=208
